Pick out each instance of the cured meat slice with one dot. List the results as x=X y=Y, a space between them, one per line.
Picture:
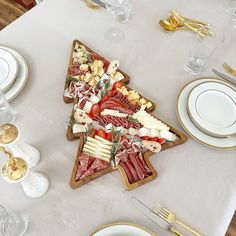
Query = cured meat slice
x=87 y=173
x=121 y=109
x=79 y=173
x=141 y=174
x=132 y=170
x=125 y=101
x=122 y=156
x=84 y=162
x=99 y=164
x=127 y=171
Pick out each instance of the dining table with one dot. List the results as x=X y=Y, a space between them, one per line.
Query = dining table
x=195 y=181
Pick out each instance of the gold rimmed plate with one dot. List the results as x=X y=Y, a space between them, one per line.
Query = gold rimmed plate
x=123 y=228
x=187 y=124
x=212 y=106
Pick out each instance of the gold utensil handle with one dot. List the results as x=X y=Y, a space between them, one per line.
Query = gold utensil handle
x=188 y=228
x=175 y=231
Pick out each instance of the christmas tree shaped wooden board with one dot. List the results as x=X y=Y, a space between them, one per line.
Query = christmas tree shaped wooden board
x=113 y=122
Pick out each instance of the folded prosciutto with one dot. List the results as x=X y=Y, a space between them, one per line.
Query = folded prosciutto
x=130 y=157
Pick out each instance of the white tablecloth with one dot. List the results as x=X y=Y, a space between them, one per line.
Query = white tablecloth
x=197 y=183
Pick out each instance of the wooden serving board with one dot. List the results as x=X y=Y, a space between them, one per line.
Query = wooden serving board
x=71 y=137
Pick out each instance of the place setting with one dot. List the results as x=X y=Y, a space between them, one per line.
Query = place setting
x=13 y=72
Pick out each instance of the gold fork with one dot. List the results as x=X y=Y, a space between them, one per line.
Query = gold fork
x=229 y=69
x=171 y=218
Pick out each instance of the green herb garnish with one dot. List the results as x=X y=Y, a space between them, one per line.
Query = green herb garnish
x=132 y=119
x=71 y=79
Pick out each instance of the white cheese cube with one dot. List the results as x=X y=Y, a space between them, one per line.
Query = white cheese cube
x=168 y=135
x=133 y=131
x=78 y=128
x=155 y=133
x=144 y=132
x=87 y=107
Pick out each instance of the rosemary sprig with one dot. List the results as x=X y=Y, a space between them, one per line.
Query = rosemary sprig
x=105 y=88
x=132 y=119
x=87 y=132
x=116 y=139
x=71 y=79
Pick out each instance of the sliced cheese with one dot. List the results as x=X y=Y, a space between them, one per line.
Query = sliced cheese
x=96 y=156
x=100 y=148
x=103 y=140
x=97 y=150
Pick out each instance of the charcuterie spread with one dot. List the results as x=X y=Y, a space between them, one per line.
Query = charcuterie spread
x=113 y=122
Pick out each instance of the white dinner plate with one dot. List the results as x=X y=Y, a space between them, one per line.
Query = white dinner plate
x=212 y=107
x=191 y=129
x=8 y=69
x=22 y=76
x=123 y=229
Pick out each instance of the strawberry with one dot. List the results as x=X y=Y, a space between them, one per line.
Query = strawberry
x=145 y=138
x=161 y=140
x=101 y=133
x=117 y=85
x=109 y=136
x=95 y=110
x=155 y=139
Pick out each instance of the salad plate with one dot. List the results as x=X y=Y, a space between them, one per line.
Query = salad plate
x=188 y=125
x=22 y=75
x=212 y=106
x=123 y=228
x=8 y=69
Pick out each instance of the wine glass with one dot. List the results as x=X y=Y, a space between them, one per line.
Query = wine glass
x=120 y=10
x=11 y=223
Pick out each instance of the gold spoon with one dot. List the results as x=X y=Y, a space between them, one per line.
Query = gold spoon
x=229 y=69
x=173 y=21
x=167 y=26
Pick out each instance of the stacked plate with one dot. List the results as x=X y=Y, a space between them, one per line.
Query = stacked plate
x=206 y=108
x=13 y=72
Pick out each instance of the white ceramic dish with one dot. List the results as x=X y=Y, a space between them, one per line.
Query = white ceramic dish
x=123 y=229
x=191 y=129
x=8 y=69
x=22 y=76
x=212 y=106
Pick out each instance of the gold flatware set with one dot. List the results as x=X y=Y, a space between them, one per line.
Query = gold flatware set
x=175 y=21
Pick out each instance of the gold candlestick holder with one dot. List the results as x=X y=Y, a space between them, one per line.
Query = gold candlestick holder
x=15 y=168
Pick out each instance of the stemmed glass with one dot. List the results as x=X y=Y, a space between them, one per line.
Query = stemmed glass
x=120 y=10
x=11 y=223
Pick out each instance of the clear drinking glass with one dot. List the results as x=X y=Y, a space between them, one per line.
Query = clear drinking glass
x=6 y=114
x=203 y=48
x=11 y=223
x=120 y=10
